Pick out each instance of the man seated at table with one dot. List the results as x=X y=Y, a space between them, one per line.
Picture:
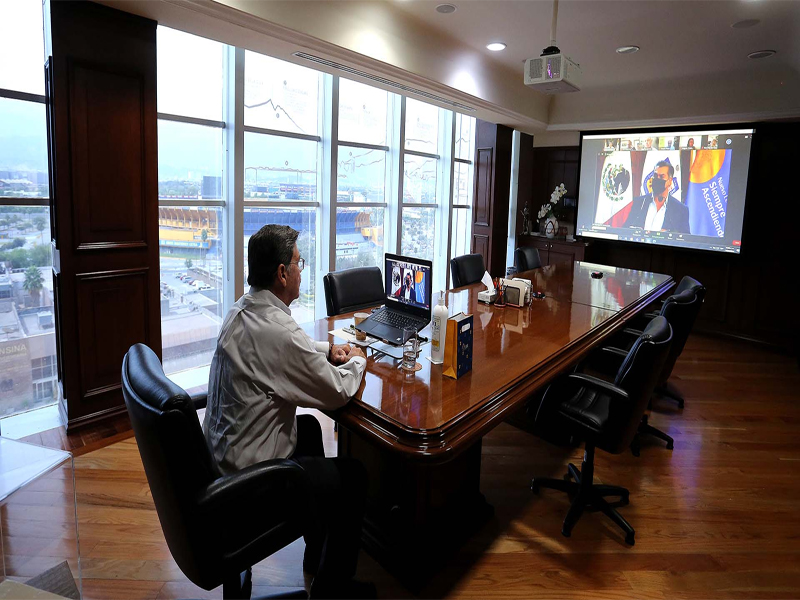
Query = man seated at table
x=264 y=367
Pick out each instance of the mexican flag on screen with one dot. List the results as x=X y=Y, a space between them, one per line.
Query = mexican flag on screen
x=615 y=191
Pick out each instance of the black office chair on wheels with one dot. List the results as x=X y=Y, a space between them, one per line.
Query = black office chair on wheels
x=353 y=289
x=681 y=310
x=685 y=322
x=606 y=416
x=216 y=526
x=466 y=269
x=527 y=259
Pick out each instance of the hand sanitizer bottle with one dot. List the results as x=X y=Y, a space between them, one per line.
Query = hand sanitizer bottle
x=438 y=331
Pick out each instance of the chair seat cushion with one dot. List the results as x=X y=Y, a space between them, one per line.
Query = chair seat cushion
x=588 y=408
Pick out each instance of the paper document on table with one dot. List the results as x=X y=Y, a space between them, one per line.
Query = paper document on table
x=350 y=337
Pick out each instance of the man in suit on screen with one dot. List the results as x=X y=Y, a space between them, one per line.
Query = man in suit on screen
x=658 y=210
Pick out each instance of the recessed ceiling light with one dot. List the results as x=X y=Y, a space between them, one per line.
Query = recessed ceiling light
x=761 y=54
x=446 y=9
x=745 y=24
x=627 y=49
x=496 y=46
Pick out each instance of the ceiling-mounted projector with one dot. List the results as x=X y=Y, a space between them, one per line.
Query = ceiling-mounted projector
x=553 y=74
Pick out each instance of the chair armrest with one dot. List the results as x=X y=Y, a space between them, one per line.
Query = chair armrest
x=599 y=385
x=199 y=400
x=606 y=361
x=272 y=478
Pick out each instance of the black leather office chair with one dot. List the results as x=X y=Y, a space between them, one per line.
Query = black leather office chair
x=527 y=259
x=682 y=317
x=605 y=415
x=685 y=283
x=216 y=526
x=353 y=289
x=466 y=269
x=681 y=310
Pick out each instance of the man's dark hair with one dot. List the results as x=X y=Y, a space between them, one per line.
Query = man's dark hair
x=664 y=163
x=270 y=247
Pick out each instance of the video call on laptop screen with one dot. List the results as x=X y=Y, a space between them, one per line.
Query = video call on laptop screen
x=407 y=282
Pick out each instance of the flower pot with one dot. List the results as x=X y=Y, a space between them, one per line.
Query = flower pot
x=551 y=227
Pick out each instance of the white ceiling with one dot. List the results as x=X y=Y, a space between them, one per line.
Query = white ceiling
x=692 y=67
x=679 y=39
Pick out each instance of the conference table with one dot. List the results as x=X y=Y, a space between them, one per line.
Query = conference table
x=419 y=435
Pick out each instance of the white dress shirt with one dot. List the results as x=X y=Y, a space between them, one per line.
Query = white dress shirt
x=264 y=367
x=654 y=221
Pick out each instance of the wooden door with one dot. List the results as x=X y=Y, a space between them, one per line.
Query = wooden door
x=102 y=129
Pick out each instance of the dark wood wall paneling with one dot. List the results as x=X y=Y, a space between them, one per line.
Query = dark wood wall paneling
x=491 y=194
x=546 y=168
x=753 y=295
x=102 y=129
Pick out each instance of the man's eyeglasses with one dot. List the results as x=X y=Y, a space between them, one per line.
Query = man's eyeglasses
x=301 y=264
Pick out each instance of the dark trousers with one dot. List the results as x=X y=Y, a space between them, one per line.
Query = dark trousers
x=338 y=490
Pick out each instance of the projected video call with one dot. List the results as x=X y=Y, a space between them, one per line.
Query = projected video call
x=409 y=283
x=683 y=189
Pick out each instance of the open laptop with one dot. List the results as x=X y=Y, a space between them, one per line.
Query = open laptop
x=408 y=299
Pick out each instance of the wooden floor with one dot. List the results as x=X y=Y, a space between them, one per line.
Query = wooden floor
x=719 y=517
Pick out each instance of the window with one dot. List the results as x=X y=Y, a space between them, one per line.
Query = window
x=43 y=368
x=283 y=160
x=191 y=196
x=28 y=367
x=190 y=75
x=303 y=220
x=43 y=392
x=463 y=177
x=280 y=96
x=22 y=39
x=421 y=182
x=363 y=175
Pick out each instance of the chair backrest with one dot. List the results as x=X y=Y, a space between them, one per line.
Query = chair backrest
x=527 y=258
x=466 y=269
x=638 y=376
x=176 y=459
x=687 y=283
x=352 y=289
x=681 y=310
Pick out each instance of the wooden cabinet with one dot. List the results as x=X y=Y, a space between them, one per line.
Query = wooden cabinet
x=554 y=251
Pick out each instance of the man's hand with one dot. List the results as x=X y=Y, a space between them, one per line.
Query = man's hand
x=340 y=353
x=356 y=351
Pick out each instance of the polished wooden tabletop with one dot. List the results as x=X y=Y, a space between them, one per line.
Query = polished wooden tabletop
x=515 y=352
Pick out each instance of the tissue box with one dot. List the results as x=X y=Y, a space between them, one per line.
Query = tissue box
x=458 y=347
x=487 y=296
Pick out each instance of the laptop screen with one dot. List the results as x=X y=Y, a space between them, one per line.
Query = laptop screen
x=408 y=282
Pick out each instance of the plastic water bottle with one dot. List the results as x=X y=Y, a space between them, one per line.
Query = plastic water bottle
x=438 y=331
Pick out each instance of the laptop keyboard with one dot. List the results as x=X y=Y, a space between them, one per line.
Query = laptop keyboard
x=396 y=319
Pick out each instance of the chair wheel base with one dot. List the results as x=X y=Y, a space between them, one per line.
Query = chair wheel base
x=585 y=496
x=629 y=539
x=670 y=446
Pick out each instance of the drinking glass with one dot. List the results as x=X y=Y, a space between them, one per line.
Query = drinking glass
x=410 y=349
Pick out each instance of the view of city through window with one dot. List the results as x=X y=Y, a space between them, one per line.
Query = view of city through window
x=283 y=162
x=362 y=174
x=28 y=365
x=191 y=199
